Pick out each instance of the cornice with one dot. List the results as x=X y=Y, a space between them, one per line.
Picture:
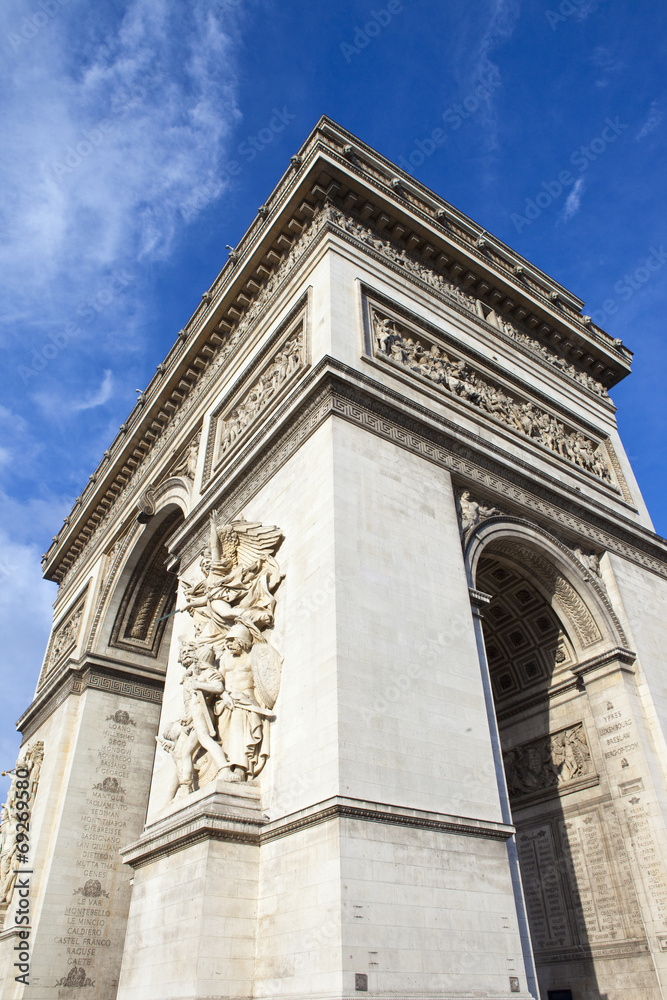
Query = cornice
x=217 y=817
x=261 y=252
x=101 y=673
x=333 y=389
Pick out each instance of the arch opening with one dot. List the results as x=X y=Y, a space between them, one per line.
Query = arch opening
x=580 y=902
x=135 y=624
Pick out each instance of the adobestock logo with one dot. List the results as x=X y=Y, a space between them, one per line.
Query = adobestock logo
x=32 y=25
x=630 y=283
x=453 y=116
x=378 y=20
x=581 y=157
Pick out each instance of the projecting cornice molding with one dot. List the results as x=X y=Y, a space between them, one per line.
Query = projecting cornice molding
x=430 y=241
x=333 y=389
x=76 y=676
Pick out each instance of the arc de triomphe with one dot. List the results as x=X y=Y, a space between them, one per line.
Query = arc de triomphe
x=356 y=677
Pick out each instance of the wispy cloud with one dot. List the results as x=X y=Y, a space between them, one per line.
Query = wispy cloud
x=605 y=59
x=573 y=200
x=583 y=12
x=501 y=19
x=98 y=398
x=104 y=143
x=653 y=120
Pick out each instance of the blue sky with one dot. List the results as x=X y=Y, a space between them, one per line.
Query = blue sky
x=105 y=252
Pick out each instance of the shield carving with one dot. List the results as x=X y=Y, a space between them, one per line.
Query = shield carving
x=266 y=668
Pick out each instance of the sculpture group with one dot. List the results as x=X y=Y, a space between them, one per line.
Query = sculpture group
x=459 y=378
x=285 y=363
x=547 y=762
x=232 y=673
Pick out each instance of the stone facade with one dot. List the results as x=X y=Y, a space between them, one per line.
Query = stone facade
x=354 y=684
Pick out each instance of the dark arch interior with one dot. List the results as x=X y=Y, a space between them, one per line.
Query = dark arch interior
x=149 y=595
x=548 y=766
x=526 y=644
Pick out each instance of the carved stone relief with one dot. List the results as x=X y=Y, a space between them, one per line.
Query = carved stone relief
x=186 y=463
x=277 y=373
x=471 y=512
x=15 y=816
x=551 y=761
x=323 y=215
x=393 y=342
x=589 y=560
x=231 y=343
x=447 y=286
x=232 y=672
x=65 y=636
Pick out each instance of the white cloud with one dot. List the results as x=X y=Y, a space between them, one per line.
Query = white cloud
x=652 y=122
x=98 y=398
x=112 y=117
x=104 y=141
x=500 y=23
x=573 y=200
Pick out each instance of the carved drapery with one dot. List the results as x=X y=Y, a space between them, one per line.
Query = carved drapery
x=393 y=342
x=232 y=672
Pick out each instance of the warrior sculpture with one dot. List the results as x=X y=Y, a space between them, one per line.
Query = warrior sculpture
x=232 y=673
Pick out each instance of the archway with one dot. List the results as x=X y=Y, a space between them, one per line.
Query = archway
x=548 y=614
x=139 y=592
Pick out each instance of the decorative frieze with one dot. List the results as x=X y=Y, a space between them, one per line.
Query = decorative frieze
x=65 y=636
x=219 y=352
x=423 y=357
x=483 y=468
x=399 y=254
x=230 y=423
x=550 y=762
x=134 y=480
